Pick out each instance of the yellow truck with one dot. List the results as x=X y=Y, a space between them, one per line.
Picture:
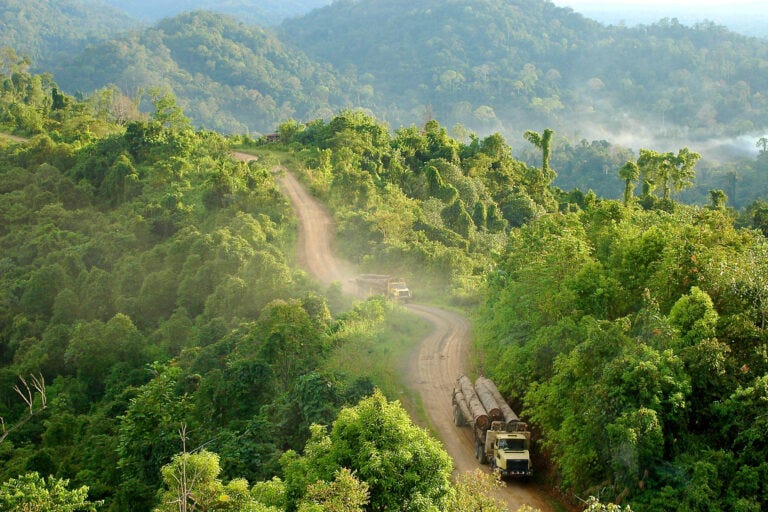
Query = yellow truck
x=393 y=288
x=500 y=438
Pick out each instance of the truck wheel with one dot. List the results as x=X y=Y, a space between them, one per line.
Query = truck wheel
x=480 y=453
x=458 y=418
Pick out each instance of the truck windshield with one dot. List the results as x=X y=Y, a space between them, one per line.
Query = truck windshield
x=514 y=445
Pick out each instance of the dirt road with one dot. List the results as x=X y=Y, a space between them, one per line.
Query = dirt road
x=440 y=357
x=13 y=138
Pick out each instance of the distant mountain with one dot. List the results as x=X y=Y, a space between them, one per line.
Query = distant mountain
x=514 y=64
x=227 y=76
x=46 y=30
x=748 y=17
x=490 y=65
x=260 y=12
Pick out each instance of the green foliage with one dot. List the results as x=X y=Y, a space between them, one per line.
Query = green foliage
x=33 y=493
x=610 y=325
x=401 y=464
x=145 y=275
x=345 y=494
x=538 y=66
x=228 y=76
x=421 y=199
x=192 y=482
x=474 y=491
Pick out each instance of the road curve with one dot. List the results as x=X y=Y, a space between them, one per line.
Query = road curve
x=439 y=358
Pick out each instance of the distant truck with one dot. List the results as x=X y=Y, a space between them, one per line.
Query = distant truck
x=501 y=439
x=393 y=288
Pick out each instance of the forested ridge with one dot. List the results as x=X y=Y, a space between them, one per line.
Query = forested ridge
x=151 y=299
x=48 y=31
x=490 y=65
x=484 y=67
x=260 y=12
x=231 y=77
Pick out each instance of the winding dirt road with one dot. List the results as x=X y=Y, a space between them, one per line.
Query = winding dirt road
x=440 y=357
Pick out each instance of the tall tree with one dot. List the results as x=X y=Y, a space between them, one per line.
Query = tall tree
x=717 y=199
x=543 y=142
x=629 y=172
x=681 y=169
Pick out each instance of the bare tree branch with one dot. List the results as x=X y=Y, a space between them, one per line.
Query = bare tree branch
x=28 y=395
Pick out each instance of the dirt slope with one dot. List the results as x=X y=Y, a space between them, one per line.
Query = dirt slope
x=440 y=357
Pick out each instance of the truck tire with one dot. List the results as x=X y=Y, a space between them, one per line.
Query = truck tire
x=483 y=458
x=480 y=453
x=458 y=418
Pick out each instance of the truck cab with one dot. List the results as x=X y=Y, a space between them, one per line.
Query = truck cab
x=511 y=455
x=398 y=290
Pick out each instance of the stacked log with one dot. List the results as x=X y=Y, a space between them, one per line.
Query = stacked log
x=489 y=402
x=466 y=415
x=475 y=407
x=510 y=418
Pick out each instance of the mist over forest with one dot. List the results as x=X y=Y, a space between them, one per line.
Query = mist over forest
x=579 y=210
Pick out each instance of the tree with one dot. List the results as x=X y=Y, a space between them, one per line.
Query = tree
x=148 y=432
x=474 y=491
x=404 y=467
x=682 y=171
x=167 y=112
x=672 y=172
x=695 y=316
x=191 y=483
x=290 y=342
x=717 y=199
x=629 y=172
x=34 y=406
x=653 y=171
x=345 y=494
x=33 y=493
x=541 y=141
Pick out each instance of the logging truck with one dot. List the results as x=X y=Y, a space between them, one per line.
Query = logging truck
x=500 y=438
x=393 y=288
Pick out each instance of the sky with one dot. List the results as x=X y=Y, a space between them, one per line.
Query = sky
x=746 y=16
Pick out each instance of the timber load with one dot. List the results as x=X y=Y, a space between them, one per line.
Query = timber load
x=461 y=414
x=478 y=416
x=490 y=403
x=509 y=416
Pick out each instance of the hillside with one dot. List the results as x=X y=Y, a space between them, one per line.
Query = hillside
x=489 y=65
x=507 y=66
x=45 y=31
x=228 y=76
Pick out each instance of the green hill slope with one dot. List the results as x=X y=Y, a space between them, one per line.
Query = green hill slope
x=45 y=30
x=507 y=65
x=228 y=76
